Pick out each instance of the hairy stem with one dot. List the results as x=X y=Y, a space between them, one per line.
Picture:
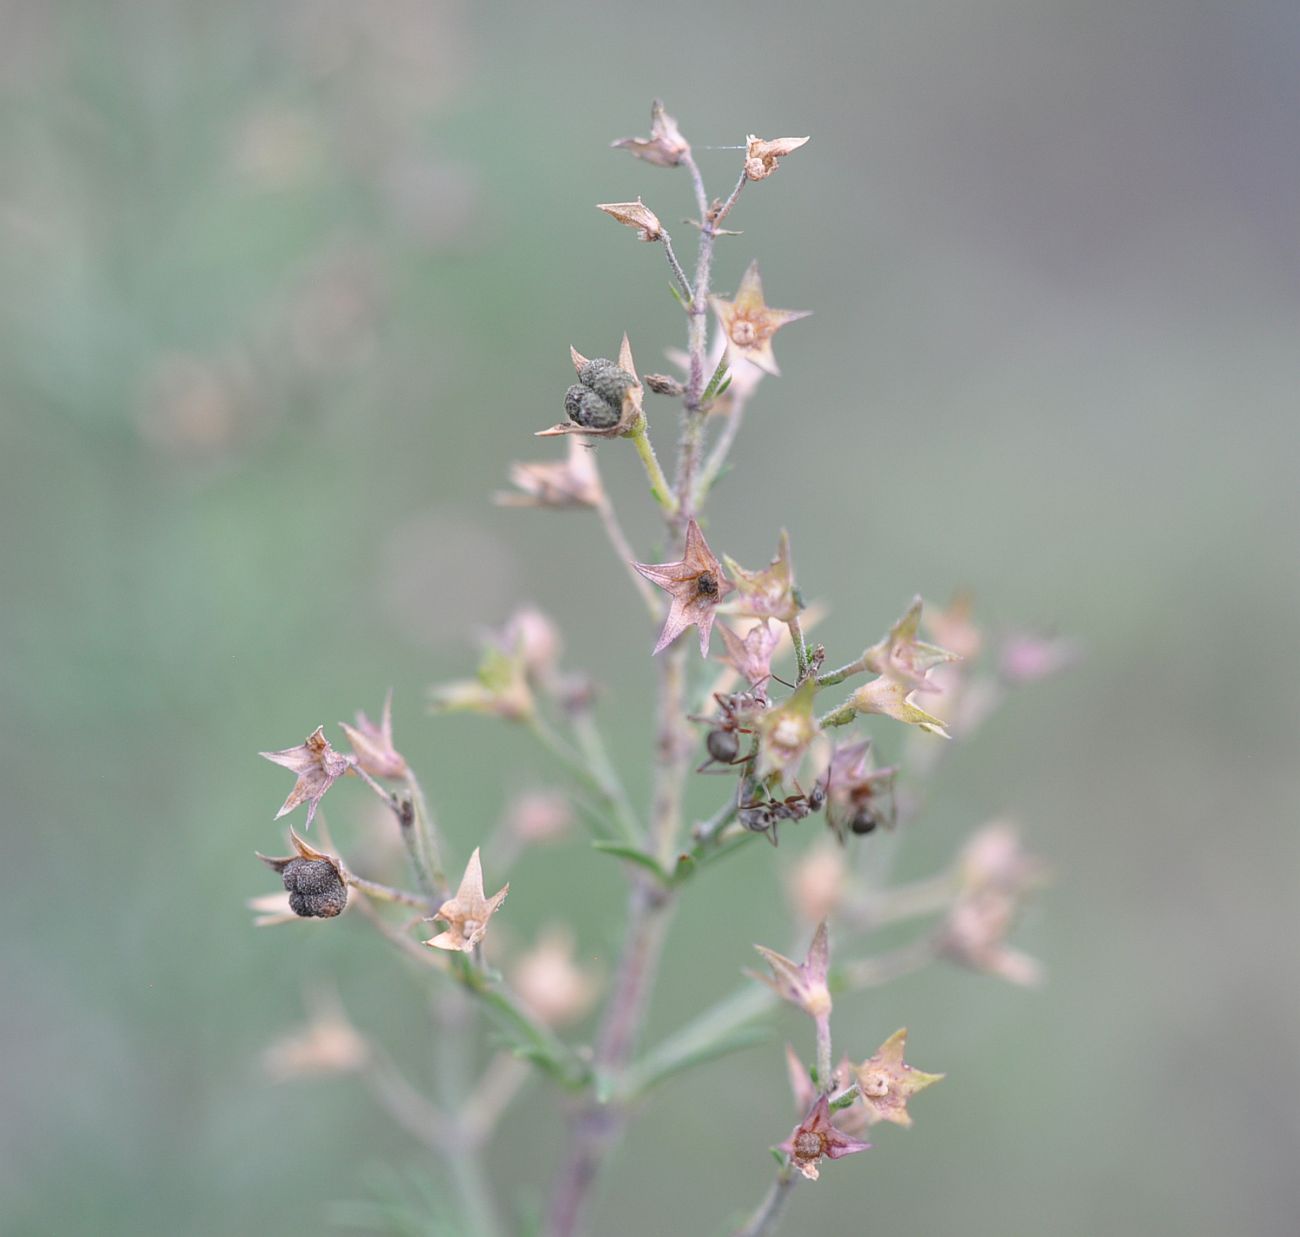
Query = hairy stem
x=682 y=281
x=659 y=487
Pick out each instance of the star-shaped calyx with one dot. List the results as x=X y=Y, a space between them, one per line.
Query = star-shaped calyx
x=770 y=592
x=318 y=767
x=572 y=482
x=887 y=1082
x=467 y=914
x=749 y=322
x=606 y=402
x=801 y=983
x=750 y=655
x=372 y=744
x=815 y=1137
x=696 y=585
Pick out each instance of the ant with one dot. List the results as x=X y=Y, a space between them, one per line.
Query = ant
x=763 y=815
x=723 y=742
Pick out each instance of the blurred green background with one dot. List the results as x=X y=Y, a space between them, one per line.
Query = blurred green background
x=283 y=289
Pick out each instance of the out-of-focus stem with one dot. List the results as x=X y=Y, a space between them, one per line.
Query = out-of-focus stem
x=426 y=831
x=596 y=776
x=623 y=548
x=768 y=1213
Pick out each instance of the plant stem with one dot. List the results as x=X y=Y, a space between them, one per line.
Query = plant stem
x=683 y=282
x=721 y=449
x=768 y=1212
x=426 y=830
x=800 y=646
x=386 y=893
x=596 y=776
x=841 y=716
x=831 y=677
x=659 y=487
x=623 y=548
x=825 y=1080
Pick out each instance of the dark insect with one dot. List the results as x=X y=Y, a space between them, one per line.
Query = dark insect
x=722 y=742
x=864 y=821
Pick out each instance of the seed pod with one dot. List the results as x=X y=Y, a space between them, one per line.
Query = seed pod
x=316 y=890
x=607 y=380
x=587 y=408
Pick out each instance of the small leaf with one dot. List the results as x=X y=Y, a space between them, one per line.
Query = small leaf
x=621 y=851
x=677 y=296
x=778 y=1155
x=723 y=385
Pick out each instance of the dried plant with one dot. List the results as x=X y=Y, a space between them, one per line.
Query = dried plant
x=779 y=743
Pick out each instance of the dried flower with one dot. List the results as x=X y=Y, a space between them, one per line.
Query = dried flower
x=606 y=401
x=953 y=627
x=316 y=883
x=785 y=732
x=750 y=655
x=665 y=146
x=271 y=909
x=327 y=1044
x=769 y=592
x=665 y=384
x=816 y=883
x=573 y=482
x=815 y=1136
x=539 y=816
x=467 y=914
x=635 y=215
x=1027 y=659
x=995 y=874
x=500 y=687
x=993 y=856
x=549 y=983
x=749 y=323
x=892 y=698
x=536 y=639
x=801 y=983
x=761 y=156
x=887 y=1082
x=372 y=745
x=318 y=767
x=696 y=584
x=901 y=656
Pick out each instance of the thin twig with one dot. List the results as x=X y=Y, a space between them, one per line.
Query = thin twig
x=800 y=645
x=677 y=266
x=386 y=893
x=623 y=548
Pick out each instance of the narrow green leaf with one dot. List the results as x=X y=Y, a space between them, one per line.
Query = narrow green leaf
x=632 y=855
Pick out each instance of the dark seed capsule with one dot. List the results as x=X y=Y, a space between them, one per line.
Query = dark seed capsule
x=723 y=745
x=316 y=891
x=706 y=584
x=607 y=380
x=587 y=409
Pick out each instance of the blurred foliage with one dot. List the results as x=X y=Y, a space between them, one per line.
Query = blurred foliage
x=282 y=290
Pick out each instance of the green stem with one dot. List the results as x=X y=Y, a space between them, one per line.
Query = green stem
x=659 y=486
x=609 y=792
x=831 y=677
x=800 y=646
x=841 y=716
